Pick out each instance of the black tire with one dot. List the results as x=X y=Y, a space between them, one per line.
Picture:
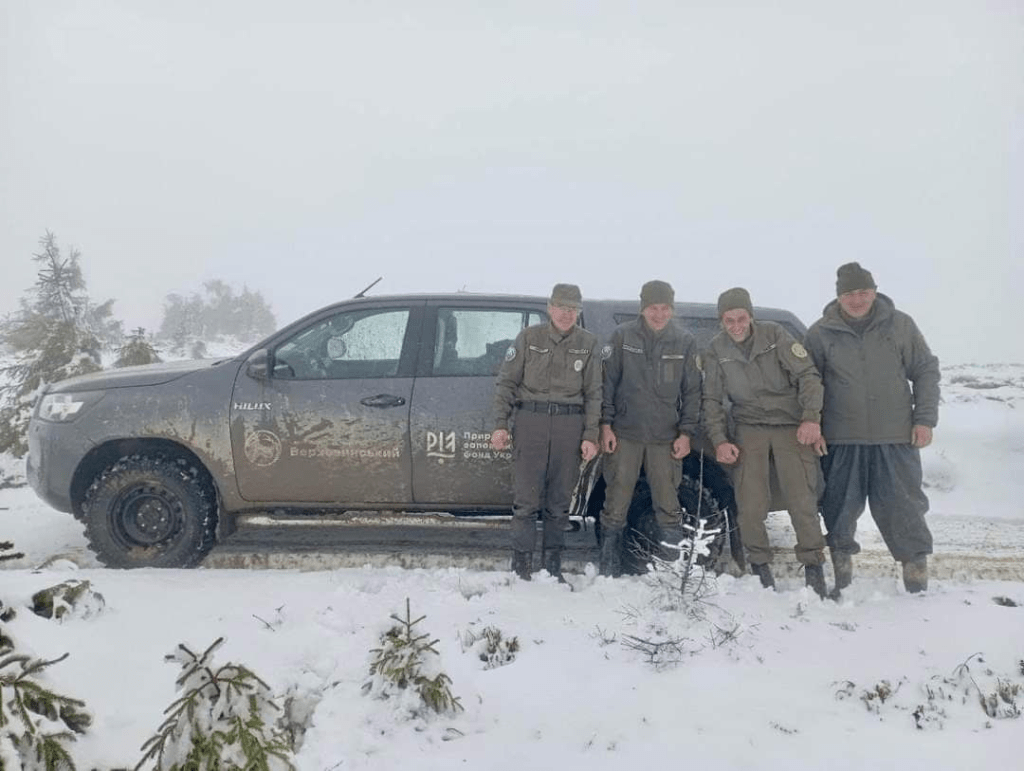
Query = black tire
x=641 y=528
x=149 y=511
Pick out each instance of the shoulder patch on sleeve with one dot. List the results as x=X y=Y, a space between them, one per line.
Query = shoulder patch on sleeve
x=606 y=352
x=798 y=350
x=510 y=354
x=699 y=362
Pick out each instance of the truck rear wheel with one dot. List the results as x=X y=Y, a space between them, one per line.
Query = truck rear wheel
x=641 y=525
x=148 y=511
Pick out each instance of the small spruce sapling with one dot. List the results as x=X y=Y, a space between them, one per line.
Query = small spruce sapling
x=407 y=667
x=36 y=723
x=224 y=720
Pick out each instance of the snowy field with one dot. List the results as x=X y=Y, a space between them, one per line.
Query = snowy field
x=747 y=679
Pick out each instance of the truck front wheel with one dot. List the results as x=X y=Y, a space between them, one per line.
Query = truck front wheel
x=149 y=511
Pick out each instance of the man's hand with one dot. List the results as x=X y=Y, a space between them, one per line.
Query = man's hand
x=588 y=449
x=808 y=432
x=921 y=436
x=820 y=447
x=727 y=452
x=499 y=439
x=681 y=447
x=608 y=440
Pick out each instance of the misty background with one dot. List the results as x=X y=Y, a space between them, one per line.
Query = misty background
x=303 y=149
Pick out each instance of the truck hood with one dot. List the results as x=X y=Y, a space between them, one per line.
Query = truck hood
x=127 y=377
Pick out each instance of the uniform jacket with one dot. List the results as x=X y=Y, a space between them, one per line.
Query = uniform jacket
x=878 y=384
x=543 y=365
x=777 y=385
x=651 y=383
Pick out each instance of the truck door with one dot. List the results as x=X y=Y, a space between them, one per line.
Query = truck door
x=331 y=422
x=451 y=418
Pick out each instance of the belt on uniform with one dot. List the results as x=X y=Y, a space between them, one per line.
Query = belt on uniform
x=552 y=408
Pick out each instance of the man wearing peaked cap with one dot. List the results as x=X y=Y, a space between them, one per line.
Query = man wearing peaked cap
x=881 y=404
x=549 y=394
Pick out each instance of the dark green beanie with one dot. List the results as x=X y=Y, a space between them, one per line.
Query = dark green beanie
x=657 y=293
x=733 y=299
x=851 y=277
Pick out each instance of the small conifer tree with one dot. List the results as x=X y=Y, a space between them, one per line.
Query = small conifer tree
x=56 y=334
x=36 y=724
x=224 y=720
x=137 y=350
x=408 y=663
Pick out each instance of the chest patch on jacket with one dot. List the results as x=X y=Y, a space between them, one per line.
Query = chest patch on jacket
x=579 y=351
x=673 y=355
x=631 y=348
x=535 y=349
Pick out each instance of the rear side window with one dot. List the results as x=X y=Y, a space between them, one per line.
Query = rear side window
x=472 y=342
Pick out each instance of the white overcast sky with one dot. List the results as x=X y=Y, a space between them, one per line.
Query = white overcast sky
x=305 y=148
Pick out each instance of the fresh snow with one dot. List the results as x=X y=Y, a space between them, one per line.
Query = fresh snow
x=796 y=687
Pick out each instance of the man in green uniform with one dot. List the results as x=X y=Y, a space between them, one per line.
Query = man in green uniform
x=551 y=381
x=757 y=373
x=649 y=413
x=881 y=404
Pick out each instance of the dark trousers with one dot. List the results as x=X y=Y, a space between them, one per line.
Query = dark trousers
x=888 y=477
x=547 y=463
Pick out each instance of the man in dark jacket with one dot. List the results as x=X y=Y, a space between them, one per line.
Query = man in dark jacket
x=755 y=372
x=649 y=413
x=881 y=404
x=551 y=379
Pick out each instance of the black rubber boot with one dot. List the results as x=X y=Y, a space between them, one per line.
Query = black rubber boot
x=842 y=566
x=522 y=564
x=915 y=575
x=764 y=572
x=552 y=559
x=611 y=553
x=814 y=577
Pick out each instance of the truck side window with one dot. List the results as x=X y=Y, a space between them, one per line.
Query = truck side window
x=358 y=344
x=472 y=342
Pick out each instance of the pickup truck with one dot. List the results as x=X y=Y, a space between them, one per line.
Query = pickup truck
x=374 y=403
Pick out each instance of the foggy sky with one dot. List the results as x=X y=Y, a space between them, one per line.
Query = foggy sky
x=305 y=148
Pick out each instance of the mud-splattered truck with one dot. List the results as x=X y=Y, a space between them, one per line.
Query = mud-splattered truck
x=374 y=403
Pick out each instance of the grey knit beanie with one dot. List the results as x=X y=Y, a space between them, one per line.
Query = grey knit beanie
x=852 y=277
x=733 y=299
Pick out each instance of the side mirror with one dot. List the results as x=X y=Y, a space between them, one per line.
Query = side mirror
x=257 y=366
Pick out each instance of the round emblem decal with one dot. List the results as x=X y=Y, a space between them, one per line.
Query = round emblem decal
x=578 y=366
x=606 y=352
x=262 y=448
x=799 y=351
x=510 y=353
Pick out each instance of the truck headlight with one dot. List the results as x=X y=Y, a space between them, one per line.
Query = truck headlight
x=61 y=408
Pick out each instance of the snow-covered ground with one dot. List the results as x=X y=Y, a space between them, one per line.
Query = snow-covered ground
x=763 y=680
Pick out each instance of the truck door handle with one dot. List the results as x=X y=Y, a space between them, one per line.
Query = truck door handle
x=383 y=400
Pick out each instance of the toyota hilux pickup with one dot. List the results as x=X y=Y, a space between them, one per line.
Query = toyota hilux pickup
x=371 y=404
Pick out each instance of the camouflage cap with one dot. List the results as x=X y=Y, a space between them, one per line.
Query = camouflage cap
x=566 y=296
x=852 y=277
x=734 y=299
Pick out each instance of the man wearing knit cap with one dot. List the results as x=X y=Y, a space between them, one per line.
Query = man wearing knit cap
x=881 y=404
x=757 y=373
x=649 y=413
x=551 y=381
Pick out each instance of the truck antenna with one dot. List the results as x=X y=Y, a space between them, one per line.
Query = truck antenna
x=371 y=286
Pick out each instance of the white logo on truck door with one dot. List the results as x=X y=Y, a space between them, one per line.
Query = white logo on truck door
x=441 y=444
